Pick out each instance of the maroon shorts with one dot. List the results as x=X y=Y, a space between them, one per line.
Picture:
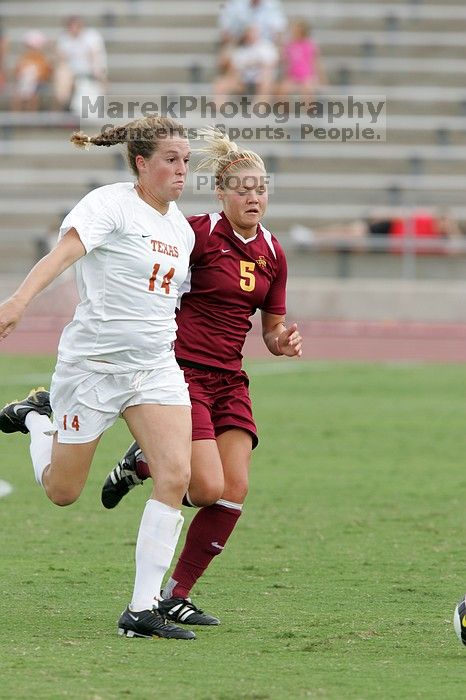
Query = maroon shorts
x=220 y=401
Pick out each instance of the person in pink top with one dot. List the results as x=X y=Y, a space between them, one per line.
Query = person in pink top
x=302 y=67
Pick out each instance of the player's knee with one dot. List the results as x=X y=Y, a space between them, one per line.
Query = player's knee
x=176 y=477
x=183 y=476
x=236 y=491
x=206 y=488
x=206 y=497
x=62 y=497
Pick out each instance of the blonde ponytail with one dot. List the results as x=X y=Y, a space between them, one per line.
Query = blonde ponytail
x=222 y=154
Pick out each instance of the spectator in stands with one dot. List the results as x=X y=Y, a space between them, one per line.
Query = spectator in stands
x=428 y=229
x=448 y=227
x=382 y=223
x=3 y=50
x=32 y=73
x=250 y=68
x=304 y=238
x=303 y=72
x=266 y=15
x=81 y=65
x=418 y=223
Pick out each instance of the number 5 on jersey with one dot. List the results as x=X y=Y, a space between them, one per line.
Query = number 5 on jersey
x=247 y=280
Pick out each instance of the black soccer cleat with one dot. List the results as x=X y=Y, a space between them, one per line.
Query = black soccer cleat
x=149 y=624
x=12 y=416
x=459 y=620
x=184 y=611
x=121 y=479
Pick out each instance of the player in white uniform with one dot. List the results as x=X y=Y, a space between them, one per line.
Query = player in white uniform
x=131 y=246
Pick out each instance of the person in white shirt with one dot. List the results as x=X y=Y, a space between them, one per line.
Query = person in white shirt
x=269 y=23
x=81 y=64
x=131 y=246
x=249 y=69
x=267 y=16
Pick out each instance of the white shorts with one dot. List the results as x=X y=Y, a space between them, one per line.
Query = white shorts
x=87 y=397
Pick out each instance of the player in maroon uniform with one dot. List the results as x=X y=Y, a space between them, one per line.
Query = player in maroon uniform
x=237 y=267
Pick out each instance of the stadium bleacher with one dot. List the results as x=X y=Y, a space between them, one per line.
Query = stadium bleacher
x=406 y=50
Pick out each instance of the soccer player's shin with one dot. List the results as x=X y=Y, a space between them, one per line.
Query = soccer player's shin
x=41 y=429
x=206 y=538
x=158 y=534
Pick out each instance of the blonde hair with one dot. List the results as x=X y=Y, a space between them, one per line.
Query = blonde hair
x=223 y=157
x=141 y=136
x=303 y=27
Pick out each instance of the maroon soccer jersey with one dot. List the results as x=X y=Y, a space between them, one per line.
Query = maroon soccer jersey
x=231 y=277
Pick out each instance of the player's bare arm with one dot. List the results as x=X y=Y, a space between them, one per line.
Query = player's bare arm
x=66 y=252
x=279 y=339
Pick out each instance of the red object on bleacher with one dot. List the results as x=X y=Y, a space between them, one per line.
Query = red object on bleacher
x=422 y=225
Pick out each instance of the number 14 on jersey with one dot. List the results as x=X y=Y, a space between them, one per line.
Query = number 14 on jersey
x=165 y=283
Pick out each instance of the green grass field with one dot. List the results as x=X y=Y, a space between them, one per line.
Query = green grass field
x=339 y=583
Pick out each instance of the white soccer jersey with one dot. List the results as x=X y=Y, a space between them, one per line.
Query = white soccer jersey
x=128 y=281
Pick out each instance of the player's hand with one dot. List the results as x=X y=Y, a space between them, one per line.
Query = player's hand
x=10 y=313
x=290 y=342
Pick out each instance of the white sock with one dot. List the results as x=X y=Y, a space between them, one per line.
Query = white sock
x=188 y=499
x=158 y=534
x=168 y=588
x=41 y=430
x=229 y=504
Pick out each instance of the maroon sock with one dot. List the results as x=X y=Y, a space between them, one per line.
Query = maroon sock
x=207 y=536
x=142 y=468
